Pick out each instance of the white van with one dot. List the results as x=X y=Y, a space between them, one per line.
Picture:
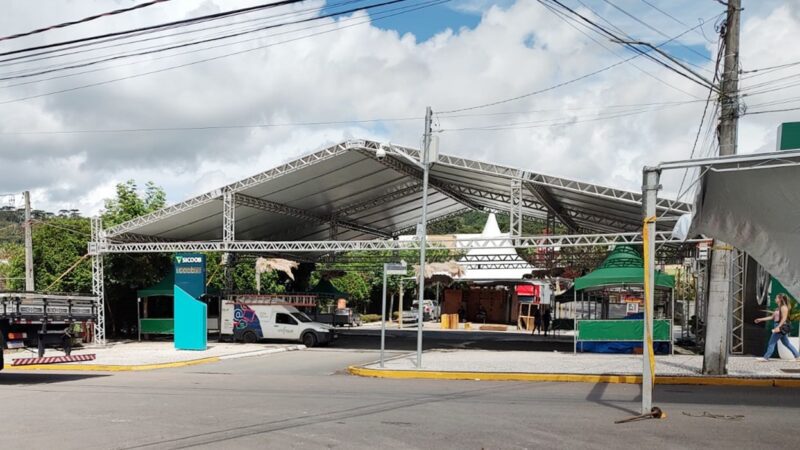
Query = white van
x=252 y=321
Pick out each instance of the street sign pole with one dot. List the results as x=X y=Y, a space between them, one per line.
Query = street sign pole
x=389 y=269
x=383 y=316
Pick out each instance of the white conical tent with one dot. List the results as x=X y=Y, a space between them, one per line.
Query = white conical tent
x=515 y=267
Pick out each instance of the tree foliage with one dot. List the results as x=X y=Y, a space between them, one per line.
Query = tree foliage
x=130 y=203
x=58 y=243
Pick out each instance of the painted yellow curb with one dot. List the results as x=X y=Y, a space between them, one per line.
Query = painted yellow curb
x=112 y=367
x=570 y=378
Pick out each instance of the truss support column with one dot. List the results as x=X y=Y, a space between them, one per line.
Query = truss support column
x=96 y=247
x=738 y=273
x=228 y=216
x=515 y=208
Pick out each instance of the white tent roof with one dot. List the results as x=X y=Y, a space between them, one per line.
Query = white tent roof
x=514 y=267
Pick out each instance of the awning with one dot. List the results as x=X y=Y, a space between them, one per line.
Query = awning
x=755 y=209
x=624 y=266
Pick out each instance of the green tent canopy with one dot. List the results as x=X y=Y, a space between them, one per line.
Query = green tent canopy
x=166 y=287
x=623 y=266
x=163 y=288
x=326 y=288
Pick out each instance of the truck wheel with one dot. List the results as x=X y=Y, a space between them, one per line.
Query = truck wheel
x=249 y=337
x=309 y=340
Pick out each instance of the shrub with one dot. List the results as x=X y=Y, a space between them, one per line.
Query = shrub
x=370 y=318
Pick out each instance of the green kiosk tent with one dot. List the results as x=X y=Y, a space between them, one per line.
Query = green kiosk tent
x=620 y=274
x=164 y=288
x=624 y=266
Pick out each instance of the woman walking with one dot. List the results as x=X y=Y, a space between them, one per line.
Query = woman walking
x=781 y=330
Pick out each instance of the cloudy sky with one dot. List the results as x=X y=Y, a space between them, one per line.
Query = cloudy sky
x=69 y=135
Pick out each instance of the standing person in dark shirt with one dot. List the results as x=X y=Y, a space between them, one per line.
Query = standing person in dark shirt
x=546 y=318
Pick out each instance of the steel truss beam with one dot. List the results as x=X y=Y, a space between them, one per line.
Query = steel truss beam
x=738 y=273
x=240 y=185
x=279 y=208
x=553 y=205
x=98 y=277
x=585 y=240
x=534 y=205
x=515 y=208
x=399 y=166
x=228 y=216
x=676 y=207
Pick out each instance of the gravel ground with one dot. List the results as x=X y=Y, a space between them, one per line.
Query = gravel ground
x=582 y=363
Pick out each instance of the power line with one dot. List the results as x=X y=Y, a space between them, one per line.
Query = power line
x=84 y=20
x=770 y=111
x=692 y=76
x=214 y=58
x=568 y=20
x=203 y=41
x=664 y=12
x=151 y=28
x=613 y=5
x=565 y=83
x=211 y=127
x=269 y=18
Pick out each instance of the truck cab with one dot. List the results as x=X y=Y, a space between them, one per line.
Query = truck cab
x=254 y=321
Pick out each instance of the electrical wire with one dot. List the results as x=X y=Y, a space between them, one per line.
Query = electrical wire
x=568 y=20
x=257 y=38
x=562 y=84
x=214 y=58
x=691 y=75
x=151 y=28
x=210 y=127
x=642 y=22
x=203 y=41
x=84 y=20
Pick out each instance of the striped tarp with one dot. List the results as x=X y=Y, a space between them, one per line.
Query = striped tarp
x=52 y=360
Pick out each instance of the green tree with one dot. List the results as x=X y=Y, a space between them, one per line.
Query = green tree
x=357 y=285
x=58 y=244
x=129 y=203
x=125 y=274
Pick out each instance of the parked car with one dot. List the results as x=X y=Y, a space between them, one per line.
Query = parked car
x=346 y=317
x=430 y=309
x=410 y=316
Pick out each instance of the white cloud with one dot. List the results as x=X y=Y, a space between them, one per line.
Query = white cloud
x=362 y=73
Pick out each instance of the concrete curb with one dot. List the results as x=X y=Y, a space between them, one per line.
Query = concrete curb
x=269 y=351
x=573 y=378
x=146 y=367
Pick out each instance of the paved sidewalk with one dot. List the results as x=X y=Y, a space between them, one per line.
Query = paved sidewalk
x=131 y=353
x=483 y=361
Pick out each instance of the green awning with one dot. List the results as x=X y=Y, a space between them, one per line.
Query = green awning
x=327 y=289
x=624 y=266
x=163 y=288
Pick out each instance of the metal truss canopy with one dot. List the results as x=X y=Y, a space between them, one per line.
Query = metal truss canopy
x=550 y=241
x=348 y=192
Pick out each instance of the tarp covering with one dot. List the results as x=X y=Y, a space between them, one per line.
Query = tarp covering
x=620 y=330
x=325 y=287
x=623 y=266
x=163 y=288
x=757 y=211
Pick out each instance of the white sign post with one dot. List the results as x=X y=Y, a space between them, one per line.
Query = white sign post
x=389 y=269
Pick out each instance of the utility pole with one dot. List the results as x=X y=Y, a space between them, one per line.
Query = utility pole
x=715 y=358
x=423 y=228
x=29 y=286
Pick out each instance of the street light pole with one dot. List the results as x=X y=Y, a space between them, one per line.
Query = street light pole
x=423 y=231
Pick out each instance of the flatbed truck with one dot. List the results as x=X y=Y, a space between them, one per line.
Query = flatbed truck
x=40 y=321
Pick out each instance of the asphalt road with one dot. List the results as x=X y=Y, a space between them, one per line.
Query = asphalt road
x=304 y=399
